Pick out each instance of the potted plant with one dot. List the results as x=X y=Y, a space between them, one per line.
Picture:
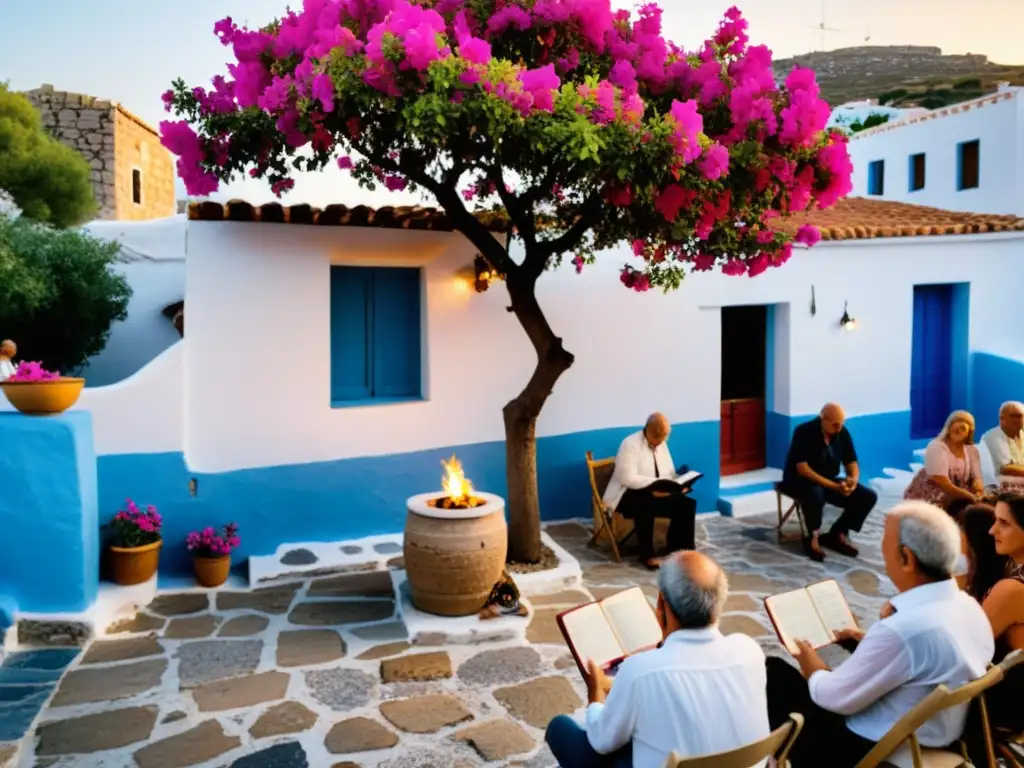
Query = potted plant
x=34 y=390
x=135 y=544
x=211 y=553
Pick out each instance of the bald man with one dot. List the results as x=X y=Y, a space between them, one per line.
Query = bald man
x=699 y=693
x=1005 y=444
x=642 y=460
x=819 y=449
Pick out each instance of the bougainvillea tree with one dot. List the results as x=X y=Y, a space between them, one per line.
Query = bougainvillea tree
x=581 y=123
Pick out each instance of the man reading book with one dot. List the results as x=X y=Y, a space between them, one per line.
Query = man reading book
x=637 y=490
x=700 y=692
x=811 y=476
x=934 y=634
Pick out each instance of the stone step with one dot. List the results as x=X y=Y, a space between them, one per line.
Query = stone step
x=761 y=502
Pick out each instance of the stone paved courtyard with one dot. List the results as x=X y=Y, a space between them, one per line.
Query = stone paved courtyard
x=318 y=673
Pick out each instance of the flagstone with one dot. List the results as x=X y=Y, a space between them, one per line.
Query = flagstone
x=95 y=733
x=304 y=647
x=341 y=689
x=173 y=717
x=241 y=692
x=244 y=626
x=84 y=686
x=730 y=625
x=384 y=650
x=742 y=603
x=387 y=548
x=140 y=622
x=419 y=667
x=180 y=604
x=286 y=717
x=752 y=582
x=543 y=759
x=391 y=630
x=273 y=600
x=358 y=734
x=502 y=665
x=566 y=597
x=192 y=747
x=497 y=739
x=7 y=753
x=425 y=714
x=204 y=661
x=299 y=557
x=538 y=701
x=543 y=627
x=45 y=632
x=865 y=582
x=192 y=627
x=290 y=755
x=371 y=584
x=334 y=612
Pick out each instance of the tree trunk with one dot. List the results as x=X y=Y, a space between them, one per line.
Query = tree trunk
x=521 y=424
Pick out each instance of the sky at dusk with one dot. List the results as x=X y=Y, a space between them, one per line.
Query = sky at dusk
x=130 y=50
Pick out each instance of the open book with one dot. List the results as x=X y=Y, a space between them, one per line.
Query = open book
x=674 y=484
x=608 y=630
x=813 y=614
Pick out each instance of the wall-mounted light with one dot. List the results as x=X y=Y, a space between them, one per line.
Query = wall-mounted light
x=846 y=322
x=814 y=305
x=483 y=273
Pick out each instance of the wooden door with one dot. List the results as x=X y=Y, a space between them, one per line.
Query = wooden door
x=742 y=415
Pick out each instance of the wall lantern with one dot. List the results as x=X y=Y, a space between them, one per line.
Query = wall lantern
x=846 y=322
x=483 y=274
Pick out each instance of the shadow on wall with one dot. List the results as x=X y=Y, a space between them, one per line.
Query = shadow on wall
x=994 y=380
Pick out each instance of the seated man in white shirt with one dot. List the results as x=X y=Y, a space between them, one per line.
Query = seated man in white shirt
x=1005 y=444
x=644 y=458
x=699 y=692
x=931 y=633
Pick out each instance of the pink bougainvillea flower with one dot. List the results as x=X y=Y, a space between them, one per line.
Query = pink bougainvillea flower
x=807 y=235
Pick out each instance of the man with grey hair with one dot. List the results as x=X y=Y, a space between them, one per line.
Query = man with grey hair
x=699 y=692
x=1005 y=444
x=930 y=634
x=644 y=459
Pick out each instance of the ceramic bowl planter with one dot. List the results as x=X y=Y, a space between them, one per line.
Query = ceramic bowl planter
x=211 y=553
x=134 y=565
x=212 y=571
x=37 y=398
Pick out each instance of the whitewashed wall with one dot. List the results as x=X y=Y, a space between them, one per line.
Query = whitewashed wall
x=1000 y=128
x=257 y=358
x=152 y=258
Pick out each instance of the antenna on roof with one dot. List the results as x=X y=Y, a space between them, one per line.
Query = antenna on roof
x=867 y=35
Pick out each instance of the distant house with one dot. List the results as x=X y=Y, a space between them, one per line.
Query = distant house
x=332 y=359
x=967 y=157
x=132 y=173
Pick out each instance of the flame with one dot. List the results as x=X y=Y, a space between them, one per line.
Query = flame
x=454 y=481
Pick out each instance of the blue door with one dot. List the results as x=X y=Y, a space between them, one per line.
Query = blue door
x=932 y=365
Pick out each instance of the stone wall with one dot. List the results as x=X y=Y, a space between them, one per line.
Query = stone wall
x=115 y=143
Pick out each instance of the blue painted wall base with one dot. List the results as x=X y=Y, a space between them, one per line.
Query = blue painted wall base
x=49 y=525
x=352 y=498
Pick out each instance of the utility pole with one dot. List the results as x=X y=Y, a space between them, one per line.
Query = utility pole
x=822 y=28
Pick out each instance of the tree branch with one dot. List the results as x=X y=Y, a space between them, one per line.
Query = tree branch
x=537 y=258
x=521 y=215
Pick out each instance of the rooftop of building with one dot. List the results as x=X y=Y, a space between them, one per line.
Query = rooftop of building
x=854 y=218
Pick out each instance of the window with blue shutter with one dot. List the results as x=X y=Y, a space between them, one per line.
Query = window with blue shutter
x=375 y=334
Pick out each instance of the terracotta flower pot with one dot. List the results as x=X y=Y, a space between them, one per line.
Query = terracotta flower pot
x=212 y=571
x=36 y=398
x=134 y=565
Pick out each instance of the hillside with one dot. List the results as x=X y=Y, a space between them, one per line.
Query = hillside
x=903 y=76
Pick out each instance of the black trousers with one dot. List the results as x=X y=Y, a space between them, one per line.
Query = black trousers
x=825 y=740
x=813 y=498
x=643 y=507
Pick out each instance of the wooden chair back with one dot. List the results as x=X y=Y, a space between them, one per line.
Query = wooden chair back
x=904 y=731
x=777 y=743
x=607 y=525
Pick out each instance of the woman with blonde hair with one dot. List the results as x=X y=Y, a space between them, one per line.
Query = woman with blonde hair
x=952 y=466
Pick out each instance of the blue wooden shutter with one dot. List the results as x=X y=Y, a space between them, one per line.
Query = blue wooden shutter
x=351 y=327
x=396 y=332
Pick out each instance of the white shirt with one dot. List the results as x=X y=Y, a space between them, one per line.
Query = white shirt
x=938 y=635
x=999 y=447
x=7 y=369
x=634 y=467
x=701 y=692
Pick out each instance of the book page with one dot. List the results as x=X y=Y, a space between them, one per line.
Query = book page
x=633 y=620
x=591 y=635
x=832 y=607
x=690 y=477
x=796 y=618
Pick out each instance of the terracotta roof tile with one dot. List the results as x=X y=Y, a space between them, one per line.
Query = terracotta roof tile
x=388 y=217
x=855 y=218
x=858 y=218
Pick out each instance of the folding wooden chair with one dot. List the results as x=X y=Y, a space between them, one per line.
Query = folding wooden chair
x=904 y=732
x=608 y=524
x=794 y=507
x=751 y=754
